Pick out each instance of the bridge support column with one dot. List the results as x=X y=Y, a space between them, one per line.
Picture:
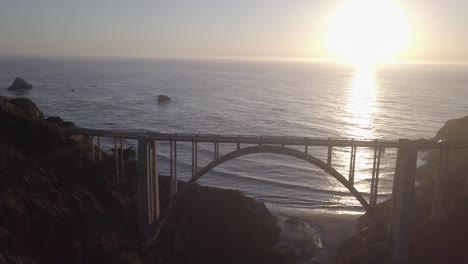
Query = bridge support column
x=155 y=180
x=148 y=186
x=439 y=180
x=173 y=188
x=403 y=201
x=116 y=181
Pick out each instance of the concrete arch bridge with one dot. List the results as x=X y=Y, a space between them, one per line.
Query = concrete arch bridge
x=403 y=193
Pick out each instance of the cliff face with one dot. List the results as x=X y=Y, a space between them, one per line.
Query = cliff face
x=454 y=129
x=57 y=206
x=444 y=242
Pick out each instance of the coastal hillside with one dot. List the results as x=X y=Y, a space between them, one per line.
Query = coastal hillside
x=442 y=242
x=57 y=206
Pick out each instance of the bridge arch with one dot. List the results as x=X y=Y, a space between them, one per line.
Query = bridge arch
x=288 y=152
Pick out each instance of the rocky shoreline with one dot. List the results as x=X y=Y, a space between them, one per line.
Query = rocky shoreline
x=57 y=206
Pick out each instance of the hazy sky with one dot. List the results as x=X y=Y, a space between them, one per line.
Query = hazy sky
x=263 y=28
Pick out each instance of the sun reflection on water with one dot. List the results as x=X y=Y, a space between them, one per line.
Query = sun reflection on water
x=361 y=104
x=358 y=123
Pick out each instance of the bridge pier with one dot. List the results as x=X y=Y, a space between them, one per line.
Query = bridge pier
x=403 y=201
x=148 y=186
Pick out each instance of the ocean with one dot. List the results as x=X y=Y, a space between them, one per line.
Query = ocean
x=280 y=98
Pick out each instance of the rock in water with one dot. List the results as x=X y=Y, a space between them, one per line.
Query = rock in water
x=20 y=84
x=163 y=98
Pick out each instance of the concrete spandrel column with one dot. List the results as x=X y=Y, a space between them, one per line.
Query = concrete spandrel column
x=156 y=181
x=142 y=188
x=439 y=181
x=403 y=201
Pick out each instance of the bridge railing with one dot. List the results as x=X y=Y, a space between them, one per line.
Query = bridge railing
x=172 y=138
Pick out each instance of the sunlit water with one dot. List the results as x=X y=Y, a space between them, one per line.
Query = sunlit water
x=255 y=98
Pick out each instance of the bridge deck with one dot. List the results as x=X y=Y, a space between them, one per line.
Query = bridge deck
x=272 y=140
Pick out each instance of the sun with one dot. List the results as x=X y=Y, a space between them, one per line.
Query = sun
x=368 y=32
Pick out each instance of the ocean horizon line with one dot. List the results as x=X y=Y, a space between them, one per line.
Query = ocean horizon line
x=227 y=59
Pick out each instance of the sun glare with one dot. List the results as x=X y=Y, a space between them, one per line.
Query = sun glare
x=368 y=32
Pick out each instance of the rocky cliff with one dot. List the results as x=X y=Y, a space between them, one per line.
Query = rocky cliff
x=444 y=242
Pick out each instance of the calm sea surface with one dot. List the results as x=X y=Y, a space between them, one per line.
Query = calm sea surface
x=256 y=98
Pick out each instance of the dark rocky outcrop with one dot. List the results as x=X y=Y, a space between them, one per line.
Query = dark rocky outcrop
x=163 y=98
x=454 y=129
x=443 y=242
x=20 y=106
x=27 y=106
x=20 y=84
x=212 y=225
x=5 y=105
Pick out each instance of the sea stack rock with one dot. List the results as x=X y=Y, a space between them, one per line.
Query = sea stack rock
x=163 y=98
x=20 y=84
